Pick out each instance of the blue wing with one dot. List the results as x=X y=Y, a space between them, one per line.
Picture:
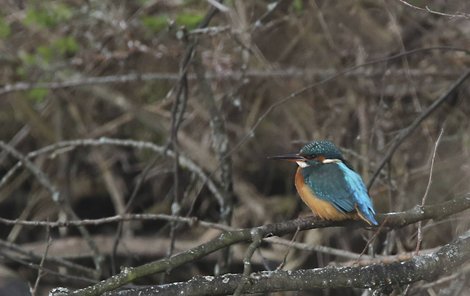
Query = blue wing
x=341 y=186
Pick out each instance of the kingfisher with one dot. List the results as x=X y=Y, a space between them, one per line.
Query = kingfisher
x=328 y=185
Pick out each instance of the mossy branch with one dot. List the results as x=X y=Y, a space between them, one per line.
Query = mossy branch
x=375 y=276
x=227 y=238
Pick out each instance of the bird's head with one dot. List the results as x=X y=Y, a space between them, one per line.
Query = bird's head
x=314 y=153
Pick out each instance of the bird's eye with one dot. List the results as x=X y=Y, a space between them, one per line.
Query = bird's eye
x=311 y=156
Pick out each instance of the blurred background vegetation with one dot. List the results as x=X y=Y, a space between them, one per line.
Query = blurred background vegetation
x=112 y=69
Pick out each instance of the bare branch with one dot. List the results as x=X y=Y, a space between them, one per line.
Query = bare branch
x=375 y=276
x=297 y=93
x=38 y=174
x=425 y=196
x=65 y=146
x=427 y=9
x=118 y=218
x=11 y=247
x=315 y=73
x=256 y=241
x=56 y=197
x=41 y=264
x=408 y=130
x=391 y=220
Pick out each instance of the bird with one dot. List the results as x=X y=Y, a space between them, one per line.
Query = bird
x=328 y=185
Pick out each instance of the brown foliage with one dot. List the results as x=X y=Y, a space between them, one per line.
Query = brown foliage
x=223 y=88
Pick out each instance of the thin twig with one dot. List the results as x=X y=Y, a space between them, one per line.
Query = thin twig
x=427 y=9
x=64 y=146
x=290 y=245
x=409 y=129
x=38 y=174
x=51 y=260
x=47 y=270
x=425 y=196
x=251 y=131
x=315 y=248
x=41 y=264
x=271 y=9
x=256 y=241
x=118 y=235
x=221 y=145
x=56 y=197
x=314 y=73
x=178 y=110
x=117 y=218
x=177 y=113
x=191 y=221
x=371 y=239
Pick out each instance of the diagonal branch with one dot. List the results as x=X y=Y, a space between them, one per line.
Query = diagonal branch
x=56 y=197
x=425 y=114
x=65 y=146
x=375 y=276
x=227 y=238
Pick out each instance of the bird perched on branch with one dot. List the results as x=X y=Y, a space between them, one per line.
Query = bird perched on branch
x=328 y=185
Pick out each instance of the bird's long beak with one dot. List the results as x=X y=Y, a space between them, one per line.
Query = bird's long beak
x=293 y=157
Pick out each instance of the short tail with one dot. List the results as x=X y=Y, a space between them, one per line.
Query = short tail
x=367 y=214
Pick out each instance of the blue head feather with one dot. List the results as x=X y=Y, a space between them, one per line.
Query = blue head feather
x=321 y=148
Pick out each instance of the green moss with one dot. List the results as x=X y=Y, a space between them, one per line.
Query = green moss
x=48 y=17
x=45 y=52
x=189 y=20
x=65 y=45
x=298 y=6
x=155 y=23
x=37 y=94
x=4 y=28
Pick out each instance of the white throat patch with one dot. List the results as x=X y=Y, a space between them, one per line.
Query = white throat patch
x=302 y=164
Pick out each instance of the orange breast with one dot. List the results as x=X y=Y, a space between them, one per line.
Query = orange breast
x=319 y=207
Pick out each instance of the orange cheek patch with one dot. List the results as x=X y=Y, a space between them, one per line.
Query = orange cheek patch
x=320 y=158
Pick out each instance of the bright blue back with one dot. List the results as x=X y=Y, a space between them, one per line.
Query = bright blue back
x=341 y=186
